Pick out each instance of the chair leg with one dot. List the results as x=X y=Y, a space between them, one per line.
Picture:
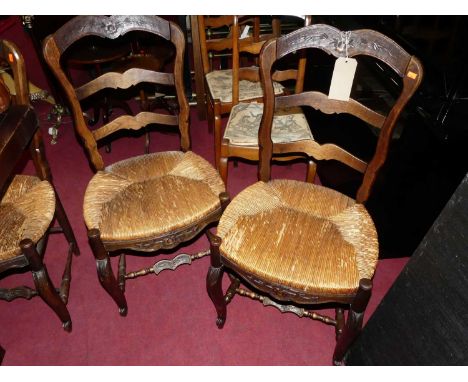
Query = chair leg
x=354 y=323
x=144 y=106
x=104 y=270
x=225 y=199
x=311 y=170
x=44 y=285
x=65 y=224
x=106 y=112
x=96 y=114
x=217 y=133
x=214 y=280
x=147 y=140
x=340 y=322
x=223 y=169
x=210 y=115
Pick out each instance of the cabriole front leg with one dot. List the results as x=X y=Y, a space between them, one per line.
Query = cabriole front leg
x=104 y=270
x=353 y=324
x=214 y=280
x=44 y=285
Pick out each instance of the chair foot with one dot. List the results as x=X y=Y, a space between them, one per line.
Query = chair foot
x=338 y=363
x=220 y=322
x=123 y=311
x=67 y=326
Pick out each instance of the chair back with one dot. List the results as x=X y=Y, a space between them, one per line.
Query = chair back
x=10 y=54
x=10 y=155
x=112 y=27
x=339 y=44
x=222 y=36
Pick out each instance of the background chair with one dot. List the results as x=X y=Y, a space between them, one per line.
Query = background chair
x=148 y=202
x=153 y=55
x=29 y=204
x=226 y=87
x=240 y=137
x=301 y=243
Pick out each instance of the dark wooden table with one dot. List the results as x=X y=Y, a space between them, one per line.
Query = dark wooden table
x=18 y=126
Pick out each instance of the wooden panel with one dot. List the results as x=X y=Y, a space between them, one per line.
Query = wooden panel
x=423 y=318
x=17 y=126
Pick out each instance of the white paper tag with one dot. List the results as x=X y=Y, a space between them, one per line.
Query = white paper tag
x=342 y=79
x=245 y=32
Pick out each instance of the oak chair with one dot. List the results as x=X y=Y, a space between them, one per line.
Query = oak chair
x=300 y=243
x=226 y=87
x=148 y=202
x=240 y=137
x=29 y=204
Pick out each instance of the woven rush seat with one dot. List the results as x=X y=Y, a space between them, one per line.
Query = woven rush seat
x=150 y=195
x=220 y=85
x=312 y=239
x=289 y=125
x=26 y=211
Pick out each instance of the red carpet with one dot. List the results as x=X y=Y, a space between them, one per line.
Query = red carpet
x=171 y=320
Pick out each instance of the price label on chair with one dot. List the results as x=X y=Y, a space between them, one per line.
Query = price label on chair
x=342 y=79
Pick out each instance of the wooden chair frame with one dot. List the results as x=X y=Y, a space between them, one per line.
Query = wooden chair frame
x=32 y=254
x=215 y=107
x=113 y=27
x=329 y=39
x=230 y=150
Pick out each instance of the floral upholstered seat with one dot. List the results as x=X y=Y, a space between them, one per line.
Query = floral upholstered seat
x=220 y=85
x=289 y=125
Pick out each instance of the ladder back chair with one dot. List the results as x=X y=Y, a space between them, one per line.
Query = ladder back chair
x=29 y=204
x=147 y=202
x=226 y=87
x=301 y=243
x=240 y=137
